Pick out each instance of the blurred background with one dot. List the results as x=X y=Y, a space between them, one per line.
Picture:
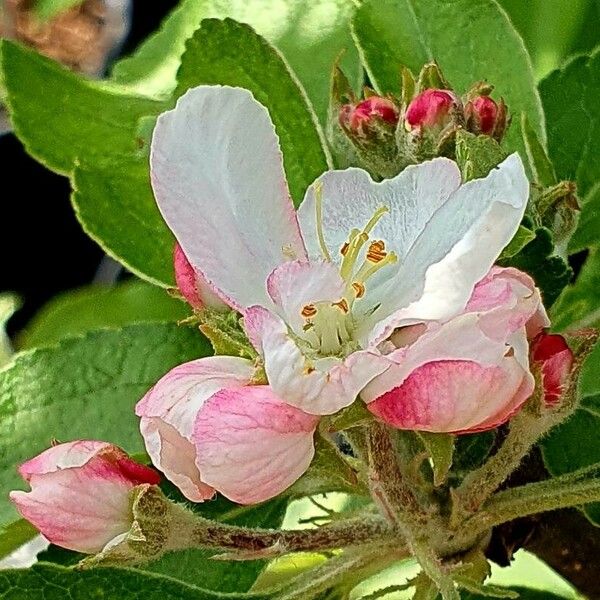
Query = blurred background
x=43 y=249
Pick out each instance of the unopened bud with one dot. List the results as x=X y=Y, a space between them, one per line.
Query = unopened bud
x=484 y=115
x=431 y=108
x=555 y=360
x=360 y=118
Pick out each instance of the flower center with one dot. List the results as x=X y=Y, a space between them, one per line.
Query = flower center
x=328 y=326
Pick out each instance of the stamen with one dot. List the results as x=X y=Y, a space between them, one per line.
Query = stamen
x=376 y=252
x=359 y=289
x=308 y=311
x=358 y=241
x=369 y=269
x=319 y=218
x=344 y=249
x=308 y=369
x=342 y=305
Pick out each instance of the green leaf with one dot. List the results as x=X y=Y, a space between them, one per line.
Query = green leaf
x=523 y=236
x=59 y=583
x=9 y=304
x=470 y=39
x=477 y=155
x=84 y=387
x=14 y=535
x=62 y=117
x=574 y=444
x=550 y=272
x=523 y=594
x=98 y=306
x=578 y=306
x=541 y=167
x=231 y=53
x=46 y=9
x=115 y=205
x=309 y=33
x=440 y=447
x=92 y=131
x=570 y=98
x=587 y=233
x=471 y=450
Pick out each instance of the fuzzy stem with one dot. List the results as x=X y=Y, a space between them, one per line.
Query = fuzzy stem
x=191 y=531
x=573 y=489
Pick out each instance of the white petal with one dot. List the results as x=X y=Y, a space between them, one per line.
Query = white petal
x=218 y=178
x=318 y=387
x=456 y=249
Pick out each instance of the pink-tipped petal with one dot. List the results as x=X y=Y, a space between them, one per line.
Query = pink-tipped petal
x=319 y=386
x=197 y=292
x=168 y=412
x=453 y=378
x=80 y=494
x=217 y=175
x=251 y=445
x=555 y=359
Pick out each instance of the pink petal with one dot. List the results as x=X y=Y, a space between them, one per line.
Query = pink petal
x=168 y=412
x=319 y=386
x=555 y=358
x=218 y=178
x=251 y=445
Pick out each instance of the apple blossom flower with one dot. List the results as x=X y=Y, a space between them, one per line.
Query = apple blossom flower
x=192 y=287
x=207 y=428
x=357 y=118
x=321 y=288
x=80 y=495
x=466 y=374
x=552 y=353
x=431 y=108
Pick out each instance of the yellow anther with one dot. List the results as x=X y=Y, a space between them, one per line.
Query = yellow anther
x=342 y=305
x=308 y=311
x=359 y=289
x=344 y=249
x=376 y=252
x=308 y=369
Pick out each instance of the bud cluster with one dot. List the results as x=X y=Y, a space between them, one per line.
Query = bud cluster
x=388 y=133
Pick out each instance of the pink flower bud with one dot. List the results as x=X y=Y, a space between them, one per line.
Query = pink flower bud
x=484 y=115
x=80 y=493
x=357 y=118
x=555 y=359
x=430 y=108
x=192 y=285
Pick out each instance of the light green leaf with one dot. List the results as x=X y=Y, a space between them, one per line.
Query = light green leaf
x=440 y=447
x=98 y=306
x=541 y=167
x=587 y=234
x=570 y=98
x=62 y=117
x=59 y=583
x=579 y=304
x=92 y=131
x=477 y=155
x=523 y=236
x=574 y=444
x=115 y=205
x=471 y=40
x=85 y=387
x=14 y=535
x=231 y=53
x=522 y=593
x=309 y=33
x=46 y=9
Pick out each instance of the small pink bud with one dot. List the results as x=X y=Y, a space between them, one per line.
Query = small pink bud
x=485 y=112
x=192 y=285
x=80 y=495
x=357 y=118
x=555 y=358
x=430 y=108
